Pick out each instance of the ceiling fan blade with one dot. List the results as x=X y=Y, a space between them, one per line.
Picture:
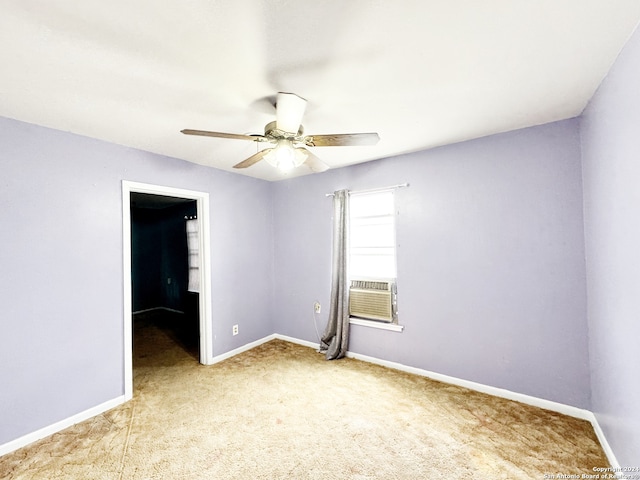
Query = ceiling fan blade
x=205 y=133
x=310 y=160
x=289 y=112
x=342 y=140
x=255 y=158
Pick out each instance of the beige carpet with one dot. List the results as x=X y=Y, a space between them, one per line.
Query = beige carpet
x=281 y=411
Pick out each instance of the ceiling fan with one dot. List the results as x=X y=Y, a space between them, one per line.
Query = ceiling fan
x=287 y=139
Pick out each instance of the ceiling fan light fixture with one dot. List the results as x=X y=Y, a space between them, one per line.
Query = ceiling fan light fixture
x=284 y=156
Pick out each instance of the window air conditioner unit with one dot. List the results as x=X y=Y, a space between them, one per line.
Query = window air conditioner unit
x=373 y=299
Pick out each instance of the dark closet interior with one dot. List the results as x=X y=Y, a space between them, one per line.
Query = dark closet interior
x=160 y=269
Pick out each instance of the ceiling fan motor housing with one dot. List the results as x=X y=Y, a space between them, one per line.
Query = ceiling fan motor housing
x=271 y=130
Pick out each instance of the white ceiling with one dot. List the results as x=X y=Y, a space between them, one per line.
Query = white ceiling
x=420 y=73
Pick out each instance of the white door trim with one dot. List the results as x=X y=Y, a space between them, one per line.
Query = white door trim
x=206 y=325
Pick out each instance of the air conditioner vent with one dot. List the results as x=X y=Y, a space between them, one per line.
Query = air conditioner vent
x=373 y=300
x=370 y=285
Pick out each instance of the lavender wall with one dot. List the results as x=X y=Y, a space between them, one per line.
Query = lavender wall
x=491 y=273
x=610 y=129
x=61 y=341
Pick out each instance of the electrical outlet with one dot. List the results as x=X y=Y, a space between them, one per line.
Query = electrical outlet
x=235 y=329
x=316 y=307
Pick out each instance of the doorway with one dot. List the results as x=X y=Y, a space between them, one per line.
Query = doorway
x=155 y=210
x=164 y=296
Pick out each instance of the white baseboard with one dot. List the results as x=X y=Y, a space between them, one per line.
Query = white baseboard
x=613 y=461
x=58 y=426
x=98 y=409
x=479 y=387
x=498 y=392
x=304 y=343
x=236 y=351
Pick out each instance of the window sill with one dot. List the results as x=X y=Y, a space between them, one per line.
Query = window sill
x=394 y=327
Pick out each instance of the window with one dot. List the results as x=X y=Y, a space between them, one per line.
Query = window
x=372 y=235
x=372 y=259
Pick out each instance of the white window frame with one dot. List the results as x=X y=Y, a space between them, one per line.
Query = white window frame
x=389 y=274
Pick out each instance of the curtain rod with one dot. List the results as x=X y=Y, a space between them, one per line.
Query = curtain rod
x=371 y=190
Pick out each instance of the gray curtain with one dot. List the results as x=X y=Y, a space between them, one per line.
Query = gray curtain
x=335 y=340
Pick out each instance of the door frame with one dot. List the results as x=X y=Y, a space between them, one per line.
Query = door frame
x=204 y=305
